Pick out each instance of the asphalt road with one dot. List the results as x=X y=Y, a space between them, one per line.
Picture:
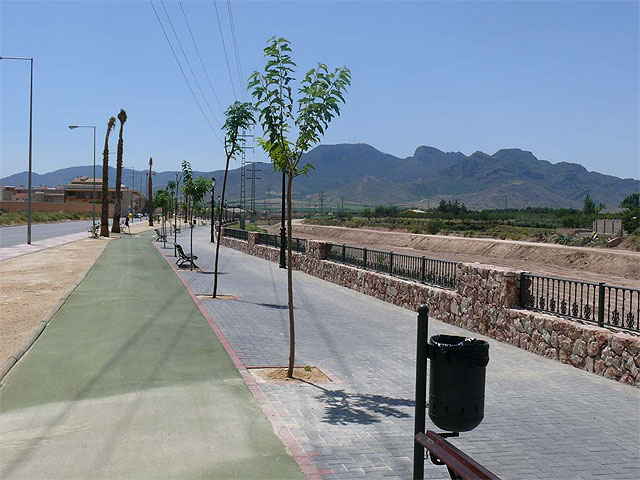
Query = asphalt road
x=10 y=236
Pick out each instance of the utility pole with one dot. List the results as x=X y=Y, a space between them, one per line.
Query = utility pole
x=150 y=193
x=253 y=191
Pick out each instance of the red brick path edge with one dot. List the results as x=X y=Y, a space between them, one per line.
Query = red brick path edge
x=302 y=458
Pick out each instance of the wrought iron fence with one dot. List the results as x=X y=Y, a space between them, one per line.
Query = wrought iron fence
x=271 y=240
x=235 y=233
x=604 y=304
x=441 y=273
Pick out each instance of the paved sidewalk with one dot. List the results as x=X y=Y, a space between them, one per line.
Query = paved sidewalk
x=23 y=249
x=129 y=381
x=543 y=419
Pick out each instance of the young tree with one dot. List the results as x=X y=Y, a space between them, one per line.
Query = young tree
x=117 y=208
x=162 y=201
x=104 y=214
x=319 y=95
x=195 y=189
x=239 y=117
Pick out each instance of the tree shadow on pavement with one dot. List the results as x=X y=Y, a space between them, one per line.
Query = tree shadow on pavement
x=344 y=408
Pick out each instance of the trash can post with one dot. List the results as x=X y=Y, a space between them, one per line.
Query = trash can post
x=421 y=389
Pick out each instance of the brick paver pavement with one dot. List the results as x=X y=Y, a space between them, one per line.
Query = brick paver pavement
x=543 y=419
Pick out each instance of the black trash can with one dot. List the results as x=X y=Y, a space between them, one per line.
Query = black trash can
x=456 y=382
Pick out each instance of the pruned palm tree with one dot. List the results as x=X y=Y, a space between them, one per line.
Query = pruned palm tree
x=104 y=217
x=117 y=208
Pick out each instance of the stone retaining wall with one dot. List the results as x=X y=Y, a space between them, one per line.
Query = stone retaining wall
x=486 y=300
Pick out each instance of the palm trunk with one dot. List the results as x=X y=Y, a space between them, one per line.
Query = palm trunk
x=104 y=214
x=224 y=189
x=115 y=228
x=292 y=324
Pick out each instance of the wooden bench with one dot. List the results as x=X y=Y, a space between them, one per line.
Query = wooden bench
x=184 y=259
x=459 y=464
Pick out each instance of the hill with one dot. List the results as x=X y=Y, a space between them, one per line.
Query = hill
x=363 y=175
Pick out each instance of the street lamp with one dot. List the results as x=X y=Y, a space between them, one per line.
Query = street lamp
x=30 y=59
x=93 y=194
x=213 y=208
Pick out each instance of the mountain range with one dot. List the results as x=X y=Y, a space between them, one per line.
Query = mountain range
x=360 y=174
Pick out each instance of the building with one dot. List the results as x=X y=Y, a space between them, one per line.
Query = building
x=81 y=190
x=38 y=194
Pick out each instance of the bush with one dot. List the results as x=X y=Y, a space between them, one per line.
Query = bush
x=631 y=220
x=433 y=226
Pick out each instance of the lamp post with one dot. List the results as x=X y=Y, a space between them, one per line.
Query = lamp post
x=213 y=208
x=93 y=193
x=175 y=217
x=30 y=59
x=283 y=231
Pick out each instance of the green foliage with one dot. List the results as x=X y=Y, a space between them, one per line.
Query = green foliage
x=451 y=207
x=162 y=200
x=630 y=201
x=16 y=218
x=239 y=116
x=319 y=95
x=196 y=188
x=631 y=220
x=588 y=207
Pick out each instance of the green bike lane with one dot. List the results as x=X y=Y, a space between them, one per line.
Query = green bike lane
x=129 y=381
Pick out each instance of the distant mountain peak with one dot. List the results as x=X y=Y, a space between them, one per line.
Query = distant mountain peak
x=514 y=153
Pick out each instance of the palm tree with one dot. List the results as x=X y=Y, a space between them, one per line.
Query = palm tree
x=115 y=228
x=104 y=218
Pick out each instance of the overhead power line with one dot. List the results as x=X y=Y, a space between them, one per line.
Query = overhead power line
x=224 y=49
x=235 y=49
x=184 y=75
x=189 y=63
x=200 y=57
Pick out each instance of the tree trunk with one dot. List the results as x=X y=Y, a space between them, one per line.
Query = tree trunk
x=292 y=325
x=224 y=189
x=104 y=214
x=115 y=228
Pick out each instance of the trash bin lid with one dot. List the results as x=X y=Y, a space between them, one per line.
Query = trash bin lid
x=471 y=350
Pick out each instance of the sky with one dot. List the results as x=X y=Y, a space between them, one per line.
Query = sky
x=560 y=79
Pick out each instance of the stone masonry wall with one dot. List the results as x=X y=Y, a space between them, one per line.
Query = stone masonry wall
x=486 y=300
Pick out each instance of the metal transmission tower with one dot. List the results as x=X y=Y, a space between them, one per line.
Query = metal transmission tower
x=321 y=203
x=243 y=181
x=252 y=207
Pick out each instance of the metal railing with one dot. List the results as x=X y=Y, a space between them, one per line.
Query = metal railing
x=606 y=305
x=271 y=240
x=441 y=273
x=235 y=233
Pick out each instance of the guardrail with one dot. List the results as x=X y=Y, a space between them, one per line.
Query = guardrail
x=235 y=233
x=271 y=240
x=441 y=273
x=606 y=305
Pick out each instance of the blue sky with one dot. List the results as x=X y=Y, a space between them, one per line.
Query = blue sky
x=560 y=79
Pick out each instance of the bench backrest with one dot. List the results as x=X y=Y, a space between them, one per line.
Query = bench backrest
x=180 y=251
x=464 y=466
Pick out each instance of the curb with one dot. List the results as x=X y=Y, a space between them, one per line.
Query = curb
x=8 y=364
x=302 y=458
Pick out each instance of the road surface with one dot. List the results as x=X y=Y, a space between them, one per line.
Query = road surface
x=10 y=236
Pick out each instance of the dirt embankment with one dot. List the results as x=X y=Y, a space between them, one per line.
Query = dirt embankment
x=580 y=263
